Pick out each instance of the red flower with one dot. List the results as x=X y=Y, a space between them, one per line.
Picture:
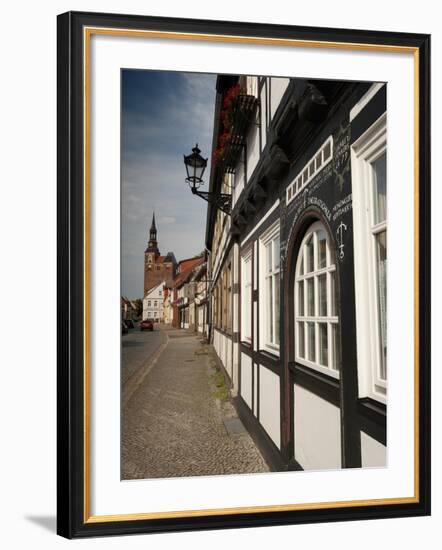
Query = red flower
x=226 y=119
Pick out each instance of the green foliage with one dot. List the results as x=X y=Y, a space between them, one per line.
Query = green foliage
x=138 y=307
x=221 y=392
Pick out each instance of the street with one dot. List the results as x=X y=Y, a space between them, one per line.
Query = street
x=177 y=417
x=137 y=347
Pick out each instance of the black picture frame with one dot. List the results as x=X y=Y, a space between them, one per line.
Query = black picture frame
x=72 y=505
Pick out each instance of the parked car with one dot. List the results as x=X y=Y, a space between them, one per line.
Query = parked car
x=129 y=323
x=147 y=324
x=123 y=328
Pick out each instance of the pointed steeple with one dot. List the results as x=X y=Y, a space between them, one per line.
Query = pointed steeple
x=152 y=245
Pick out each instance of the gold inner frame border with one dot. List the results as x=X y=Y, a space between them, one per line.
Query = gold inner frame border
x=88 y=32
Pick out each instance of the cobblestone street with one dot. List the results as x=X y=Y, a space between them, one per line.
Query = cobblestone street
x=177 y=418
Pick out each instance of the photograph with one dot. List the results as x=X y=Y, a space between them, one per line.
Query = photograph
x=253 y=274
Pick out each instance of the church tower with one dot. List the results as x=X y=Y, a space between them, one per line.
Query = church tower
x=152 y=245
x=157 y=268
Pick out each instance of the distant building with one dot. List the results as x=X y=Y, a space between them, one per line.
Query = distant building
x=127 y=310
x=184 y=292
x=168 y=299
x=198 y=302
x=153 y=303
x=157 y=268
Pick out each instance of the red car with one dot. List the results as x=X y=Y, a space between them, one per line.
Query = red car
x=147 y=324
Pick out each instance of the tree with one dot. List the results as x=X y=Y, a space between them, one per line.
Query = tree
x=138 y=303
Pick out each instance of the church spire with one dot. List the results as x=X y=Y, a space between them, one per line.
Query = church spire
x=153 y=244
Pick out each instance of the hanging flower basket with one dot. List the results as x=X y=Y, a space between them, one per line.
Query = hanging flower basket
x=236 y=116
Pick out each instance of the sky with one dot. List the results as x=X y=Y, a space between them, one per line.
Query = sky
x=163 y=115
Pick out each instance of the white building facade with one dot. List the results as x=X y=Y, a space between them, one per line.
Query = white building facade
x=298 y=270
x=153 y=304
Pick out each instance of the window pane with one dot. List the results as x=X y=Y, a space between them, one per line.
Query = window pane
x=327 y=151
x=318 y=160
x=276 y=293
x=322 y=295
x=322 y=249
x=270 y=309
x=380 y=188
x=301 y=264
x=301 y=298
x=309 y=255
x=323 y=344
x=311 y=341
x=310 y=297
x=381 y=241
x=334 y=344
x=301 y=341
x=333 y=294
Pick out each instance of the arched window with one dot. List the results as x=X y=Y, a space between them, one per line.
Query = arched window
x=316 y=315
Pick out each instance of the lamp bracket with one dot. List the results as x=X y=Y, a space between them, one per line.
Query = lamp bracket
x=221 y=201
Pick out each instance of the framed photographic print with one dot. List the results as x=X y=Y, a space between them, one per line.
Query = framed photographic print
x=232 y=349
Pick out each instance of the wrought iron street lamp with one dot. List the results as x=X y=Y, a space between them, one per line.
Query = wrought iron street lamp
x=195 y=165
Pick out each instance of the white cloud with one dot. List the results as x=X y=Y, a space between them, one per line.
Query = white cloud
x=153 y=175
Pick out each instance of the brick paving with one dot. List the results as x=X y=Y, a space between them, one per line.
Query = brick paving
x=176 y=423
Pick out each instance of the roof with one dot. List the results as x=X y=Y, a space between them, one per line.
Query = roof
x=182 y=277
x=152 y=288
x=153 y=226
x=170 y=257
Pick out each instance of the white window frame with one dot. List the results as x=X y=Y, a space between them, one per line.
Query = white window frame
x=270 y=235
x=246 y=296
x=331 y=369
x=371 y=145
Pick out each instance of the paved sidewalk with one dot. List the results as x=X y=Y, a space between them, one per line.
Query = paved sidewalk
x=178 y=422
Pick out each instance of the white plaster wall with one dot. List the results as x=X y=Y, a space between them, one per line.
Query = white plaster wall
x=222 y=349
x=216 y=341
x=278 y=87
x=255 y=389
x=235 y=369
x=228 y=356
x=238 y=183
x=252 y=150
x=317 y=431
x=255 y=326
x=374 y=454
x=246 y=379
x=269 y=404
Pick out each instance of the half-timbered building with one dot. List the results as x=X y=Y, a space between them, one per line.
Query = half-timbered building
x=298 y=268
